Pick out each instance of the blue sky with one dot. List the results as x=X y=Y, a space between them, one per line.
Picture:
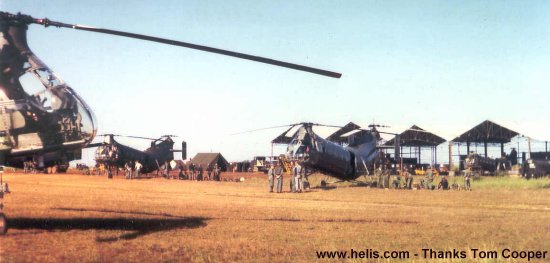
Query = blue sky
x=443 y=65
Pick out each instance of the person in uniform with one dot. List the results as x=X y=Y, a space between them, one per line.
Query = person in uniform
x=137 y=167
x=271 y=177
x=397 y=182
x=292 y=186
x=278 y=171
x=467 y=176
x=297 y=171
x=199 y=174
x=217 y=173
x=429 y=178
x=408 y=180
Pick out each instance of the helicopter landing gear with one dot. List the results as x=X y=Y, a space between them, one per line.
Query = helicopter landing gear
x=3 y=224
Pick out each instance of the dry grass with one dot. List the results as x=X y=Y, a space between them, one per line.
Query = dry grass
x=83 y=218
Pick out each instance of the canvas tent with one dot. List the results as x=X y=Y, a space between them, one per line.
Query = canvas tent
x=210 y=159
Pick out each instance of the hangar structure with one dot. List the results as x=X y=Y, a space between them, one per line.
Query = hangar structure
x=416 y=139
x=486 y=133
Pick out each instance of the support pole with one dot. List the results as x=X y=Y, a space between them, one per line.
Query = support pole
x=485 y=148
x=435 y=155
x=529 y=144
x=419 y=155
x=450 y=156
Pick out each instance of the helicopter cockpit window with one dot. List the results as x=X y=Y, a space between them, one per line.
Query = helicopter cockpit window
x=48 y=78
x=50 y=94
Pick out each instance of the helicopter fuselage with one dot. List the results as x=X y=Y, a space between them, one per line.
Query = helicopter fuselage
x=344 y=163
x=41 y=118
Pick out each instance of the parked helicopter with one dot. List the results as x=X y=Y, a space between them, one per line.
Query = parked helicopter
x=359 y=157
x=113 y=154
x=42 y=118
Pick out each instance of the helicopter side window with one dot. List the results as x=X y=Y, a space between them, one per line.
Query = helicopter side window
x=30 y=83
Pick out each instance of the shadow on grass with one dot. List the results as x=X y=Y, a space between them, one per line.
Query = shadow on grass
x=138 y=227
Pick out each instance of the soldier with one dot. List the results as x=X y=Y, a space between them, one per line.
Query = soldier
x=297 y=171
x=270 y=177
x=128 y=170
x=292 y=186
x=138 y=167
x=191 y=171
x=278 y=171
x=429 y=178
x=199 y=174
x=217 y=172
x=209 y=172
x=380 y=177
x=408 y=180
x=166 y=170
x=467 y=176
x=397 y=182
x=387 y=179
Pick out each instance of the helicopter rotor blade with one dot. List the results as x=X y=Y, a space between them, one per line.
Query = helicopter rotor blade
x=46 y=22
x=128 y=136
x=267 y=128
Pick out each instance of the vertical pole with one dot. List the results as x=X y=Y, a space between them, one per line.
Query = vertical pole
x=419 y=155
x=272 y=157
x=502 y=150
x=435 y=155
x=485 y=147
x=450 y=156
x=467 y=148
x=529 y=145
x=546 y=142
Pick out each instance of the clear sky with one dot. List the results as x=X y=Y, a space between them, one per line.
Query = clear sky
x=443 y=65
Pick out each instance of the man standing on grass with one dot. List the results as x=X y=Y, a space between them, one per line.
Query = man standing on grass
x=279 y=176
x=297 y=171
x=467 y=176
x=138 y=167
x=271 y=177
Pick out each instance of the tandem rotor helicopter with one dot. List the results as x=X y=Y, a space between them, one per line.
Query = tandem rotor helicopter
x=113 y=154
x=41 y=117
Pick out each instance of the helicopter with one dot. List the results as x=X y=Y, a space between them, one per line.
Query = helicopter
x=360 y=156
x=42 y=118
x=113 y=154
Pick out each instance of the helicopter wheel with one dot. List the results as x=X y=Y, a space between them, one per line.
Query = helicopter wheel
x=323 y=183
x=3 y=224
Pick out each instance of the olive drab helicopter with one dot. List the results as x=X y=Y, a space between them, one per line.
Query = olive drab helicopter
x=113 y=154
x=359 y=156
x=42 y=118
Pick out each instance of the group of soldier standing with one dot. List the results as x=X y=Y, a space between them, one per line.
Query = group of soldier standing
x=132 y=169
x=298 y=181
x=425 y=183
x=196 y=172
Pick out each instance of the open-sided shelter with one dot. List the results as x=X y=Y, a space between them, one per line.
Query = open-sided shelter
x=336 y=137
x=416 y=137
x=486 y=133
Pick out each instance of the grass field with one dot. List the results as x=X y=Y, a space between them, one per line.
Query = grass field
x=80 y=218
